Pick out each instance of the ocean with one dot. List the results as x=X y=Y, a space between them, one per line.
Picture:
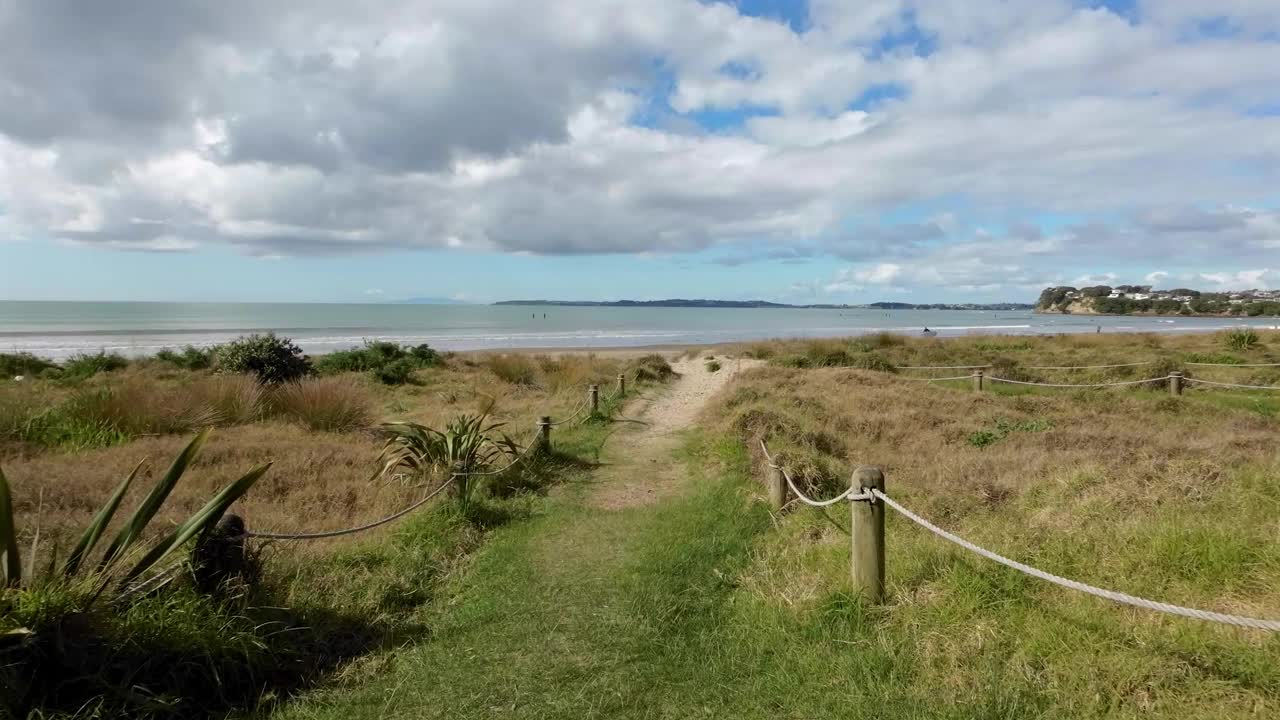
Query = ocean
x=60 y=329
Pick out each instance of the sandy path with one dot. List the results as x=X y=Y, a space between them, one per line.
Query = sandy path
x=639 y=465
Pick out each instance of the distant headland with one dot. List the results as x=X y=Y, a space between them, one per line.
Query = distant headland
x=682 y=303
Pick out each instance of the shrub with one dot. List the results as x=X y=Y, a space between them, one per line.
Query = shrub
x=1010 y=369
x=793 y=361
x=397 y=372
x=653 y=368
x=515 y=369
x=873 y=361
x=231 y=399
x=469 y=443
x=713 y=366
x=1241 y=339
x=886 y=339
x=1161 y=369
x=376 y=355
x=23 y=363
x=272 y=359
x=86 y=365
x=329 y=404
x=189 y=358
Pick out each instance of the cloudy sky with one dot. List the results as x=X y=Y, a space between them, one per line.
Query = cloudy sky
x=833 y=151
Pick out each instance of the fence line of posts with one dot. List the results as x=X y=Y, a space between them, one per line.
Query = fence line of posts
x=867 y=496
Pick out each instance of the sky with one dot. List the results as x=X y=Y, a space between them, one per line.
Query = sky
x=788 y=150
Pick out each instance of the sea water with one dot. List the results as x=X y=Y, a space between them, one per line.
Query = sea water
x=59 y=329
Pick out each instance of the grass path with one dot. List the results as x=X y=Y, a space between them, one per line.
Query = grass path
x=619 y=601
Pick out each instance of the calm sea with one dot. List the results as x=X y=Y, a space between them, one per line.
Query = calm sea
x=58 y=329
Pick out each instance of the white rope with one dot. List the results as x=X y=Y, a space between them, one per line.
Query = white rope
x=942 y=367
x=1088 y=367
x=348 y=531
x=846 y=495
x=1092 y=385
x=1235 y=364
x=808 y=500
x=929 y=380
x=585 y=404
x=1112 y=595
x=1231 y=385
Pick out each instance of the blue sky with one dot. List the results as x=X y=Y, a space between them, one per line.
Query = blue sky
x=799 y=151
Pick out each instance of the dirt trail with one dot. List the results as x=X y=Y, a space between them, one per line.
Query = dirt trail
x=639 y=467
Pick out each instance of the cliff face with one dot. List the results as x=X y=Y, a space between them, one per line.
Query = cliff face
x=1075 y=307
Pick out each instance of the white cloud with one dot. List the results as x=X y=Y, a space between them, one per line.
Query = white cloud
x=1156 y=278
x=323 y=127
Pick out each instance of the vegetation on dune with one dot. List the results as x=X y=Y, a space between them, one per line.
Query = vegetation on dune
x=89 y=364
x=270 y=358
x=189 y=358
x=23 y=365
x=330 y=404
x=388 y=362
x=302 y=611
x=467 y=444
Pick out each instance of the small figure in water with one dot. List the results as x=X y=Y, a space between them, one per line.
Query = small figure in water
x=1099 y=331
x=544 y=316
x=929 y=332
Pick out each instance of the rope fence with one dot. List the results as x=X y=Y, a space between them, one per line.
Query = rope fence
x=540 y=439
x=1176 y=381
x=867 y=499
x=1079 y=385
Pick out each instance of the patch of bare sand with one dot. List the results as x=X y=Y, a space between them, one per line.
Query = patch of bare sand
x=639 y=464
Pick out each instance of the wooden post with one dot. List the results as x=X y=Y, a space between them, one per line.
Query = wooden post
x=1175 y=383
x=777 y=487
x=593 y=393
x=622 y=385
x=544 y=433
x=219 y=556
x=868 y=536
x=977 y=381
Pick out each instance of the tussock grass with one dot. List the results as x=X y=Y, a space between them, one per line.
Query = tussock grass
x=328 y=404
x=1168 y=498
x=89 y=364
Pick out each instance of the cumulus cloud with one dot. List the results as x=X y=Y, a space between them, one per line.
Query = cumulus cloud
x=319 y=127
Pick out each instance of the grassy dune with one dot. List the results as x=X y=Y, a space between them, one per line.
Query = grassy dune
x=313 y=607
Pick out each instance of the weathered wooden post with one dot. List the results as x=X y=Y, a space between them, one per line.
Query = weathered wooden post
x=219 y=555
x=868 y=535
x=544 y=433
x=777 y=487
x=1175 y=383
x=593 y=393
x=977 y=381
x=622 y=384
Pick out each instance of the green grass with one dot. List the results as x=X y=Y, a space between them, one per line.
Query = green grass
x=705 y=607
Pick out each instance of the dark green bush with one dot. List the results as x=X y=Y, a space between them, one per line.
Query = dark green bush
x=23 y=363
x=397 y=372
x=86 y=365
x=189 y=358
x=272 y=359
x=389 y=362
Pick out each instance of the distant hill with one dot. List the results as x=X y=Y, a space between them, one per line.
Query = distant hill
x=433 y=301
x=1142 y=300
x=677 y=302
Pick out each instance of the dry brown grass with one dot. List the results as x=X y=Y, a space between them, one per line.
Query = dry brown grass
x=1142 y=448
x=1168 y=498
x=329 y=404
x=318 y=482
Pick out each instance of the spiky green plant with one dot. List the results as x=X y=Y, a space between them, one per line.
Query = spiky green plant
x=468 y=443
x=1242 y=339
x=127 y=543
